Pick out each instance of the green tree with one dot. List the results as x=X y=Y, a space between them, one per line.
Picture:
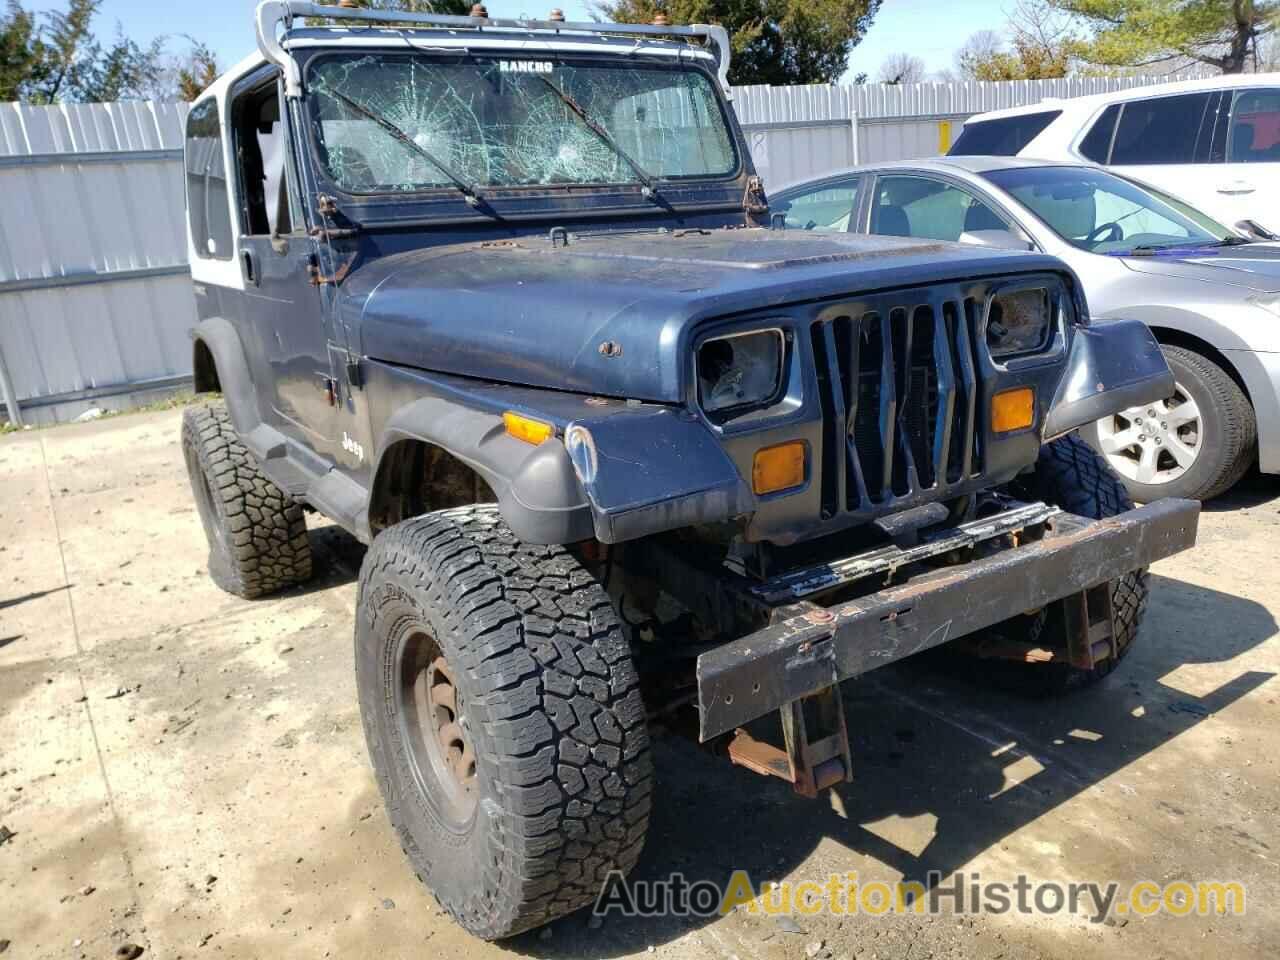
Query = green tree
x=773 y=41
x=56 y=58
x=195 y=74
x=1224 y=34
x=21 y=52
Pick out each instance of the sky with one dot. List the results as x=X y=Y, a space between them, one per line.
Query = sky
x=929 y=29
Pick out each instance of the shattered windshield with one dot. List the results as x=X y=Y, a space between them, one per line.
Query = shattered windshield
x=511 y=122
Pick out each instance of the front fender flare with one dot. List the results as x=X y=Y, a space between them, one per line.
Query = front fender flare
x=1113 y=364
x=538 y=493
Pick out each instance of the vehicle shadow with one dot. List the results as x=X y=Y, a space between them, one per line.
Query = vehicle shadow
x=1253 y=490
x=932 y=749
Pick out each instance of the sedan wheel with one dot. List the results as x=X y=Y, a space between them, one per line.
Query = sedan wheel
x=1196 y=443
x=1154 y=443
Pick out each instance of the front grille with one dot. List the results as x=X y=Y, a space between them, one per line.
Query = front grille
x=898 y=377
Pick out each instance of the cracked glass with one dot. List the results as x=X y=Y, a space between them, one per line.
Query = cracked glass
x=502 y=122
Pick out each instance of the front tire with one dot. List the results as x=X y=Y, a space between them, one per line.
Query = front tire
x=503 y=718
x=1196 y=444
x=1072 y=475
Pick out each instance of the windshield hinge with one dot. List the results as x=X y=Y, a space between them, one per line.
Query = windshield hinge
x=754 y=201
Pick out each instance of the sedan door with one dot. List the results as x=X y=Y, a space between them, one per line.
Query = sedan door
x=933 y=208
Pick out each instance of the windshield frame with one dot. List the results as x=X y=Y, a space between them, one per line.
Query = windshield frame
x=991 y=176
x=675 y=188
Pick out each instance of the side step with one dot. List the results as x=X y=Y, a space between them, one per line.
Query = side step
x=809 y=763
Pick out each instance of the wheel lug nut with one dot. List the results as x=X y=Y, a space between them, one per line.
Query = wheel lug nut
x=1137 y=420
x=1142 y=436
x=1164 y=425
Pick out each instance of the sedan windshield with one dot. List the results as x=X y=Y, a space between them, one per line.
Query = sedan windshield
x=402 y=123
x=1101 y=213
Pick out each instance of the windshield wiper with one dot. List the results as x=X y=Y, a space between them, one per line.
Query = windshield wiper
x=467 y=190
x=1231 y=242
x=646 y=180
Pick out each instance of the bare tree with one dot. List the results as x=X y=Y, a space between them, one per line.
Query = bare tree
x=981 y=47
x=902 y=68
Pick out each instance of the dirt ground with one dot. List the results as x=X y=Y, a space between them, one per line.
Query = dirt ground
x=186 y=771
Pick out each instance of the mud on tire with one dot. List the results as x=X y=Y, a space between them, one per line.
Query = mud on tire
x=257 y=533
x=556 y=792
x=1072 y=475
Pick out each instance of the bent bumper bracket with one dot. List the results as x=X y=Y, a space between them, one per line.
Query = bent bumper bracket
x=816 y=646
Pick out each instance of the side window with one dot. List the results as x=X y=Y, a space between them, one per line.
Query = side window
x=1255 y=127
x=1096 y=145
x=208 y=216
x=1161 y=130
x=830 y=208
x=260 y=154
x=930 y=209
x=1002 y=137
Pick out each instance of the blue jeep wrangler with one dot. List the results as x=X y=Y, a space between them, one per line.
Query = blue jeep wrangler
x=505 y=300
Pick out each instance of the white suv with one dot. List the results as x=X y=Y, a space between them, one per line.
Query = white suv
x=1215 y=143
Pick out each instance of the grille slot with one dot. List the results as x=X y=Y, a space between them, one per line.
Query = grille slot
x=900 y=399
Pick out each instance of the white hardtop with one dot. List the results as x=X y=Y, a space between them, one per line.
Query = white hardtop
x=1096 y=101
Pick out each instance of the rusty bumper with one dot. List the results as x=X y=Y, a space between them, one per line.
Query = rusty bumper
x=819 y=646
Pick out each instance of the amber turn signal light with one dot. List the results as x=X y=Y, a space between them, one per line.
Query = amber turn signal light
x=778 y=468
x=526 y=428
x=1013 y=409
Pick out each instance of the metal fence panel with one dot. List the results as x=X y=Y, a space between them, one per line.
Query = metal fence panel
x=92 y=248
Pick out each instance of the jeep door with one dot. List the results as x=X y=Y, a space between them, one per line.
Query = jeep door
x=283 y=309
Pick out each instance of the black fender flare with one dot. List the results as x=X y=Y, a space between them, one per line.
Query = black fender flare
x=1113 y=364
x=220 y=338
x=538 y=491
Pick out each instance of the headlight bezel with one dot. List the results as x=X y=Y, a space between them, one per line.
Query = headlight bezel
x=1053 y=312
x=723 y=414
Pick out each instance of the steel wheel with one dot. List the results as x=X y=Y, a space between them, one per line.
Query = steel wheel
x=1155 y=443
x=434 y=731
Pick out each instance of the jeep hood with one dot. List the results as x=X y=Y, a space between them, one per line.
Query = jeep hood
x=612 y=314
x=1254 y=266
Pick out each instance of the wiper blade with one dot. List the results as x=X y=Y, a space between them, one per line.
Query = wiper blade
x=1232 y=242
x=645 y=178
x=467 y=190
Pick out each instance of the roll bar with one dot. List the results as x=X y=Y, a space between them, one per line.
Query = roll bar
x=271 y=14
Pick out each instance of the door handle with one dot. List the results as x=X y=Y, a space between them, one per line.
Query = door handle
x=1236 y=188
x=250 y=268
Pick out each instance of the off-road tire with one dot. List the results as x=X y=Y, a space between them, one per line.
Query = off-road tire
x=1230 y=442
x=1070 y=474
x=257 y=533
x=550 y=704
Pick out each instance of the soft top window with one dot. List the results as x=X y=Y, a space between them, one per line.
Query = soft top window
x=490 y=121
x=208 y=210
x=1002 y=136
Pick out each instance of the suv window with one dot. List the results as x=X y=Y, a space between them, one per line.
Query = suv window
x=830 y=207
x=1001 y=137
x=1096 y=145
x=930 y=209
x=1255 y=127
x=260 y=153
x=1162 y=129
x=208 y=216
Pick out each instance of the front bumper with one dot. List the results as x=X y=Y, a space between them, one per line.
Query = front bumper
x=819 y=646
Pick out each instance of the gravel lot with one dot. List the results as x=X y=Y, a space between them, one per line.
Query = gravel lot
x=185 y=771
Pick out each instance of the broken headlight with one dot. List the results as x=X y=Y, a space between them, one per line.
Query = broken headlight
x=1019 y=321
x=740 y=371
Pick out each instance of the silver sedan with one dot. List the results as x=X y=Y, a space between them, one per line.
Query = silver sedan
x=1211 y=296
